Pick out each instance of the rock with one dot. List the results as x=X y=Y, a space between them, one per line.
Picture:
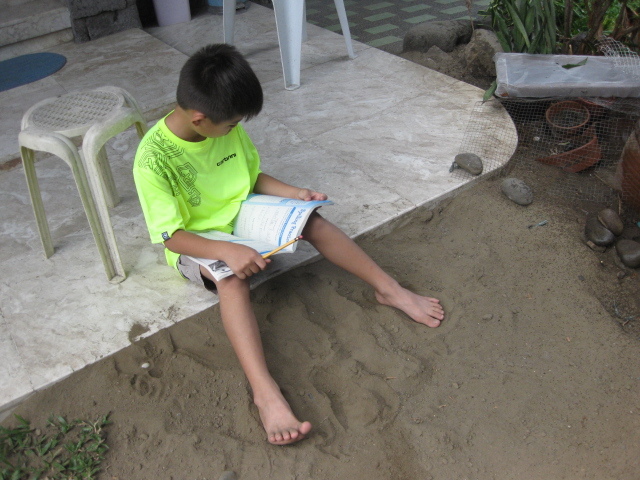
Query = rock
x=611 y=220
x=470 y=162
x=444 y=34
x=438 y=55
x=479 y=52
x=517 y=191
x=598 y=233
x=596 y=248
x=228 y=475
x=629 y=252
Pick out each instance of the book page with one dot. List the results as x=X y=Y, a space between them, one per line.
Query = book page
x=274 y=220
x=260 y=246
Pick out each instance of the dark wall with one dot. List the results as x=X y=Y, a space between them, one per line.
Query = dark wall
x=91 y=19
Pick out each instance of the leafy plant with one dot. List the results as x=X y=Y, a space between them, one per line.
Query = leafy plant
x=524 y=26
x=66 y=450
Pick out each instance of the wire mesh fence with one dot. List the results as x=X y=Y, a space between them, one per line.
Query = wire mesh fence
x=589 y=146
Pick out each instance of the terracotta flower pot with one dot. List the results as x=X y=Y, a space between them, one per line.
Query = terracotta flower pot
x=567 y=118
x=598 y=109
x=631 y=170
x=578 y=159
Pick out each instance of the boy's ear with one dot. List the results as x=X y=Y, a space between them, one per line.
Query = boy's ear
x=197 y=117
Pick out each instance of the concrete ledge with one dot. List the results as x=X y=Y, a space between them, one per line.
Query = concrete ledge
x=32 y=19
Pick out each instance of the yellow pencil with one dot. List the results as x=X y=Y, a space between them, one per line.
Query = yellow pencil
x=267 y=255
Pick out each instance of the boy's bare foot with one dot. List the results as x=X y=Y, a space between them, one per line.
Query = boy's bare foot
x=424 y=310
x=280 y=423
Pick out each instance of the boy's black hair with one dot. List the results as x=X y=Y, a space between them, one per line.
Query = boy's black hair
x=219 y=82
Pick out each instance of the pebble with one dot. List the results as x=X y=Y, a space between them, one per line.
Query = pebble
x=595 y=247
x=629 y=252
x=470 y=162
x=228 y=475
x=611 y=220
x=487 y=317
x=598 y=233
x=517 y=191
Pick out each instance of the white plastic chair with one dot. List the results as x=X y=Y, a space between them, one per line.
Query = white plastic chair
x=290 y=22
x=50 y=126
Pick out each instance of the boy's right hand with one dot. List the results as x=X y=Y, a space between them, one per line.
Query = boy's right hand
x=242 y=260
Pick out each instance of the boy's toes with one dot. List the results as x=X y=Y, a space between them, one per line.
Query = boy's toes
x=287 y=437
x=433 y=322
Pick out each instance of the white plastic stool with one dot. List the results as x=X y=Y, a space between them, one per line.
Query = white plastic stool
x=49 y=126
x=290 y=22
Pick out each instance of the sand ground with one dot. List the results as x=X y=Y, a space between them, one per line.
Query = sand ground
x=535 y=374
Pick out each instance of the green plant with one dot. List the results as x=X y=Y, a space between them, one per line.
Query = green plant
x=65 y=450
x=524 y=26
x=583 y=23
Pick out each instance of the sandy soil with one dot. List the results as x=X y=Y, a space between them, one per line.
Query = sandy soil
x=535 y=374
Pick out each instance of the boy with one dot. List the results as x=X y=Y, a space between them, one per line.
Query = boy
x=192 y=170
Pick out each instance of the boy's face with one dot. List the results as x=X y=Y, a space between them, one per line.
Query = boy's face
x=209 y=129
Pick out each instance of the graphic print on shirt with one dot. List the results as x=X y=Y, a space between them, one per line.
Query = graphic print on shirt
x=155 y=156
x=188 y=175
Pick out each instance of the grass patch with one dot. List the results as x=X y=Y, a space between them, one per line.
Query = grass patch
x=62 y=450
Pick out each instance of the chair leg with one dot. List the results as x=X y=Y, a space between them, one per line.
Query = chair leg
x=36 y=200
x=103 y=234
x=110 y=192
x=344 y=24
x=63 y=147
x=305 y=37
x=228 y=20
x=289 y=15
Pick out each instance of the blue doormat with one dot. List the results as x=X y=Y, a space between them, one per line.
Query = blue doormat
x=28 y=68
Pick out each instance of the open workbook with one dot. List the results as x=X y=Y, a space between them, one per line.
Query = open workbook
x=264 y=223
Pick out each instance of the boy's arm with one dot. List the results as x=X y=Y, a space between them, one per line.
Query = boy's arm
x=242 y=260
x=268 y=185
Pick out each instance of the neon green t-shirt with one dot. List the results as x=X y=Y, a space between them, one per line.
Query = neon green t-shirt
x=193 y=186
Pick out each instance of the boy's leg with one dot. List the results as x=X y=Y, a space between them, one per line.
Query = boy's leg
x=241 y=327
x=338 y=248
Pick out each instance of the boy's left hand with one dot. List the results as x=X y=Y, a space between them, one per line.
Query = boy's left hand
x=308 y=195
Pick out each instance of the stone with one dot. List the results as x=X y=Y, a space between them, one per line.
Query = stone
x=445 y=34
x=89 y=8
x=596 y=248
x=469 y=162
x=598 y=233
x=92 y=20
x=479 y=52
x=108 y=23
x=611 y=220
x=629 y=252
x=517 y=191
